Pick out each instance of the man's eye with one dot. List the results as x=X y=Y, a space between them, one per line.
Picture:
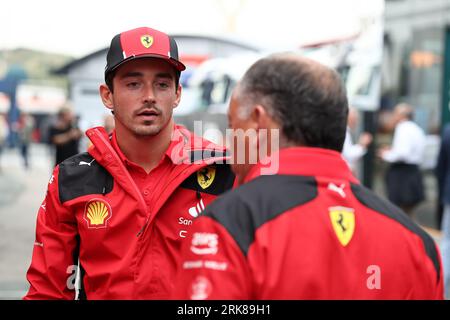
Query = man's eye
x=133 y=85
x=163 y=85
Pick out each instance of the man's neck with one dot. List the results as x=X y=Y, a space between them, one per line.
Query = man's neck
x=285 y=143
x=145 y=151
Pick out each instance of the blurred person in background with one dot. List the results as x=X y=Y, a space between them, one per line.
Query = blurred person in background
x=352 y=153
x=404 y=181
x=26 y=127
x=65 y=135
x=310 y=231
x=122 y=210
x=443 y=177
x=4 y=130
x=108 y=123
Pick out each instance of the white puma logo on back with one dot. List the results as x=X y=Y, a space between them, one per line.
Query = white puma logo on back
x=338 y=189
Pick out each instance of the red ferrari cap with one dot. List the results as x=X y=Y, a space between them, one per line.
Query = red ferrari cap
x=141 y=43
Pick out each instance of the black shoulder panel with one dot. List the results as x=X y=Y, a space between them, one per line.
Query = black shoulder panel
x=202 y=155
x=81 y=175
x=223 y=179
x=372 y=201
x=243 y=210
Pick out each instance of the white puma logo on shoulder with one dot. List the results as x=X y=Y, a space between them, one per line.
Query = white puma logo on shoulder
x=84 y=163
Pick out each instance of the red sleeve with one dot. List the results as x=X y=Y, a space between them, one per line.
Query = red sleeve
x=52 y=263
x=212 y=266
x=439 y=290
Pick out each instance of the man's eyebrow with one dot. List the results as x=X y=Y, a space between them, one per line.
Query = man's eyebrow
x=164 y=75
x=132 y=74
x=140 y=74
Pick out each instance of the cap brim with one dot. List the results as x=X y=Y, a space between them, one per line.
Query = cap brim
x=178 y=65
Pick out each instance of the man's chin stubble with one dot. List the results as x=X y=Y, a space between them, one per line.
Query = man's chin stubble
x=146 y=132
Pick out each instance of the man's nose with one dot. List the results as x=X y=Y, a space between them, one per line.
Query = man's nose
x=149 y=94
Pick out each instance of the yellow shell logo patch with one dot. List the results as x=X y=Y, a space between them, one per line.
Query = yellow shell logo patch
x=147 y=41
x=343 y=222
x=97 y=213
x=205 y=176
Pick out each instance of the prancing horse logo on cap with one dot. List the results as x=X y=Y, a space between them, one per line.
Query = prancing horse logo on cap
x=147 y=41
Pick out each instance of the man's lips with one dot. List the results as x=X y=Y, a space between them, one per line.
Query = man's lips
x=148 y=113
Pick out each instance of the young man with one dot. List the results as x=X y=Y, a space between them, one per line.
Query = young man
x=123 y=208
x=310 y=231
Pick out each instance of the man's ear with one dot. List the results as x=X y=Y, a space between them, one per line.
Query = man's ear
x=260 y=117
x=178 y=96
x=268 y=131
x=106 y=96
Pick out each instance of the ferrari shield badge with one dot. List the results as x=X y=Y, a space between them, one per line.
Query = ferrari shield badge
x=343 y=222
x=205 y=176
x=147 y=41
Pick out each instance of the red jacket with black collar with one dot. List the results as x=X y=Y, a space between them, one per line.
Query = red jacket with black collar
x=95 y=214
x=311 y=231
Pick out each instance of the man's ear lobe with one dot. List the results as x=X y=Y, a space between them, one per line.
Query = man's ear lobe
x=106 y=96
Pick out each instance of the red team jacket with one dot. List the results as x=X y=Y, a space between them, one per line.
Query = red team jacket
x=93 y=212
x=309 y=232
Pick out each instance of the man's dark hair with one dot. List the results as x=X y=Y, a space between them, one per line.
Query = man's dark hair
x=307 y=99
x=110 y=76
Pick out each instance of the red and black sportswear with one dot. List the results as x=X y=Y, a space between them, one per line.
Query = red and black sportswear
x=309 y=232
x=127 y=246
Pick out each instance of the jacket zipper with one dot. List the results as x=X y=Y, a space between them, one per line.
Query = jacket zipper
x=132 y=183
x=143 y=228
x=187 y=173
